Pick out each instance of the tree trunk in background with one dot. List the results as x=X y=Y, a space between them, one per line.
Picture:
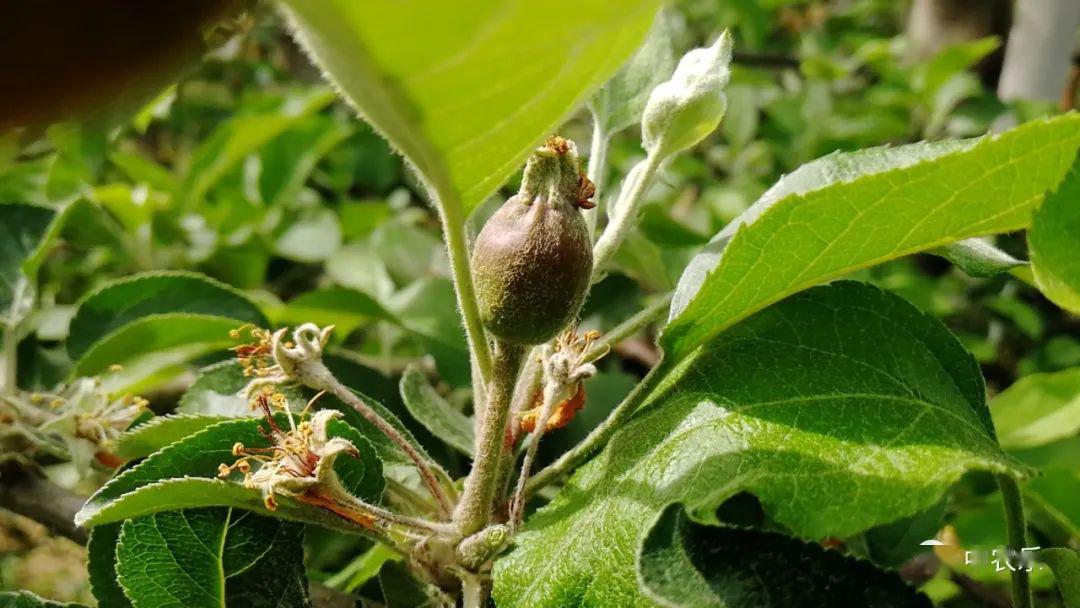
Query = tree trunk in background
x=1040 y=50
x=934 y=25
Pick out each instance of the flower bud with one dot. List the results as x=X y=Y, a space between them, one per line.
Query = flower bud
x=532 y=261
x=683 y=110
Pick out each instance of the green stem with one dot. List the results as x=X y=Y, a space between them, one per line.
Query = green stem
x=1016 y=527
x=474 y=510
x=599 y=437
x=597 y=171
x=453 y=224
x=11 y=370
x=624 y=212
x=629 y=327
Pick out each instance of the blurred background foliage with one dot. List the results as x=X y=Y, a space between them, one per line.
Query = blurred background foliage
x=251 y=171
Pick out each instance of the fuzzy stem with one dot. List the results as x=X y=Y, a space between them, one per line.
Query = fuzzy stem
x=365 y=514
x=474 y=510
x=598 y=149
x=11 y=343
x=600 y=435
x=629 y=327
x=453 y=224
x=473 y=593
x=624 y=212
x=517 y=503
x=1017 y=532
x=427 y=472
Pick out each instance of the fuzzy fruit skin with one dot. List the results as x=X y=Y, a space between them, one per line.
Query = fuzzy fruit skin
x=532 y=263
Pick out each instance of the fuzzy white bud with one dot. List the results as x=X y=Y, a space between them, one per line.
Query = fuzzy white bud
x=683 y=110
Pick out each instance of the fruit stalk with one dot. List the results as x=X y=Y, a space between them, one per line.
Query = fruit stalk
x=474 y=510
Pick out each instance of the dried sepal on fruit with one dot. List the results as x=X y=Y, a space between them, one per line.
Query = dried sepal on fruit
x=565 y=368
x=532 y=261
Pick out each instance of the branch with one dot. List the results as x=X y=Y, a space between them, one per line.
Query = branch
x=31 y=495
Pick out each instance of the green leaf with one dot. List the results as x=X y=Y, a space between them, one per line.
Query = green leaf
x=465 y=94
x=22 y=230
x=840 y=408
x=1052 y=500
x=400 y=588
x=619 y=103
x=978 y=258
x=347 y=309
x=240 y=136
x=25 y=599
x=159 y=432
x=288 y=160
x=199 y=455
x=310 y=238
x=1066 y=566
x=686 y=565
x=1055 y=243
x=210 y=558
x=216 y=393
x=429 y=408
x=1038 y=409
x=153 y=344
x=849 y=211
x=101 y=565
x=123 y=301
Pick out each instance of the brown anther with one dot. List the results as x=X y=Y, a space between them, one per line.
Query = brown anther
x=270 y=502
x=223 y=470
x=557 y=144
x=243 y=466
x=237 y=449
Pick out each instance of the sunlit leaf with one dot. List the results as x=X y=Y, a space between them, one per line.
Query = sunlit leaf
x=849 y=211
x=1055 y=243
x=464 y=92
x=840 y=409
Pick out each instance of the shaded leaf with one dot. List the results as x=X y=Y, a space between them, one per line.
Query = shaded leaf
x=153 y=344
x=840 y=408
x=123 y=301
x=25 y=599
x=310 y=238
x=429 y=408
x=346 y=309
x=434 y=80
x=849 y=211
x=238 y=137
x=686 y=565
x=1052 y=500
x=22 y=229
x=159 y=432
x=1038 y=409
x=619 y=103
x=101 y=564
x=198 y=558
x=1055 y=243
x=216 y=393
x=400 y=588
